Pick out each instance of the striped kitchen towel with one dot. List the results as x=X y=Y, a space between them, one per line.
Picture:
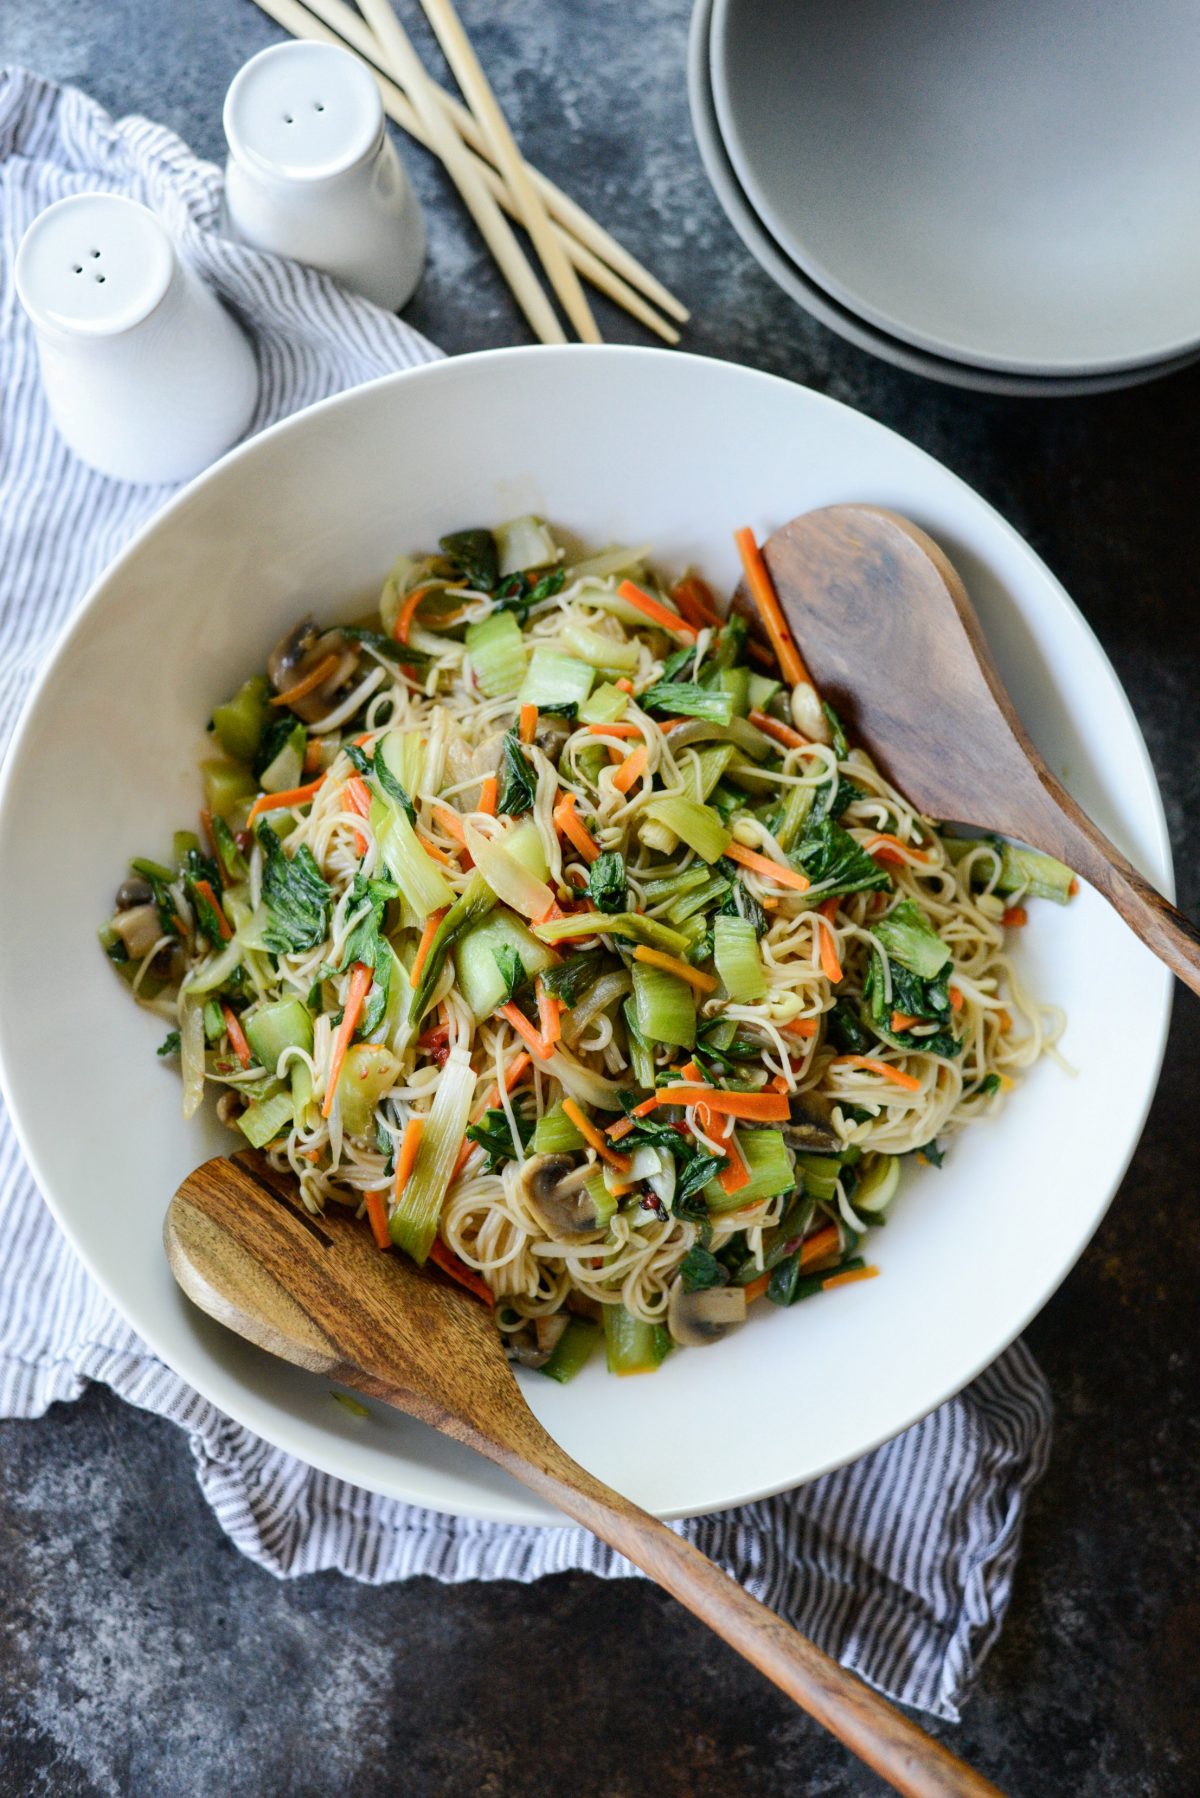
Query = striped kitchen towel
x=902 y=1564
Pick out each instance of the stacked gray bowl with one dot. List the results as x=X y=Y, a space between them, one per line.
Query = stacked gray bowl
x=998 y=194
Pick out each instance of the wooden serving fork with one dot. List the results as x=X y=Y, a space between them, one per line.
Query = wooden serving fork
x=317 y=1292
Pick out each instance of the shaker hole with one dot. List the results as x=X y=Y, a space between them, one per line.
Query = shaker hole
x=319 y=106
x=79 y=268
x=101 y=279
x=95 y=252
x=288 y=119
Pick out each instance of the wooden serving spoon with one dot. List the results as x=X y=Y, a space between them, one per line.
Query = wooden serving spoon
x=891 y=639
x=317 y=1292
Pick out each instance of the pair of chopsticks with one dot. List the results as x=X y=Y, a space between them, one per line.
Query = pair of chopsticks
x=477 y=148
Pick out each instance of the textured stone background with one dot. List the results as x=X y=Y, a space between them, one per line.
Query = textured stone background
x=140 y=1655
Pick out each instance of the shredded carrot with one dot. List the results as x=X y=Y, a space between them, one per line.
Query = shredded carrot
x=309 y=682
x=757 y=1288
x=887 y=848
x=1004 y=1019
x=526 y=1031
x=696 y=602
x=431 y=848
x=204 y=888
x=549 y=1015
x=956 y=999
x=896 y=1075
x=902 y=1021
x=527 y=723
x=762 y=864
x=570 y=826
x=766 y=1108
x=763 y=594
x=406 y=1160
x=427 y=936
x=689 y=1071
x=489 y=794
x=450 y=822
x=831 y=967
x=1073 y=888
x=621 y=1128
x=378 y=1220
x=358 y=800
x=800 y=1027
x=314 y=753
x=277 y=802
x=822 y=1243
x=657 y=614
x=624 y=685
x=769 y=903
x=620 y=729
x=849 y=1277
x=736 y=1175
x=450 y=1264
x=237 y=1036
x=1015 y=917
x=358 y=795
x=407 y=613
x=670 y=964
x=782 y=733
x=594 y=1138
x=631 y=769
x=360 y=985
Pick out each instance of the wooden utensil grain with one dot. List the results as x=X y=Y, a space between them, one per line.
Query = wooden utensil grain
x=891 y=639
x=318 y=1293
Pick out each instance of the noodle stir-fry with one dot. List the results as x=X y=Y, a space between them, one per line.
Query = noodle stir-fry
x=537 y=920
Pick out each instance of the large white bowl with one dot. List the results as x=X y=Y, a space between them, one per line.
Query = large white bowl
x=1004 y=183
x=616 y=444
x=788 y=275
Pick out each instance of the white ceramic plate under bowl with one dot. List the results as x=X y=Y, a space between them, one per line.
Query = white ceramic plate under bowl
x=1004 y=183
x=616 y=444
x=823 y=307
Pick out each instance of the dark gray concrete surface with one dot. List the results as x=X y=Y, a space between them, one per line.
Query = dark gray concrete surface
x=140 y=1655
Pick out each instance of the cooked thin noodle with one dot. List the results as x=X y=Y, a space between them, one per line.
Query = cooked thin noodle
x=487 y=1219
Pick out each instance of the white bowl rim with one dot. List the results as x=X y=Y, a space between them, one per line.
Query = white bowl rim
x=799 y=285
x=193 y=1366
x=1177 y=352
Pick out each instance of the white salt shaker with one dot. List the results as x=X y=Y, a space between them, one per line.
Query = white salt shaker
x=313 y=175
x=146 y=375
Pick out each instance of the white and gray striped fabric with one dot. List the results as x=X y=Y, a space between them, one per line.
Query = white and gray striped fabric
x=901 y=1565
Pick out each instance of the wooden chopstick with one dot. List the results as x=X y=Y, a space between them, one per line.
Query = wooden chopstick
x=343 y=19
x=477 y=90
x=295 y=19
x=497 y=233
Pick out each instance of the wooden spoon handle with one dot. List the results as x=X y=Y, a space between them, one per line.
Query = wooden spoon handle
x=1068 y=833
x=882 y=1736
x=898 y=1749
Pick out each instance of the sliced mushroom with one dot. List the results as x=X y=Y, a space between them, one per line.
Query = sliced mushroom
x=525 y=1355
x=549 y=1330
x=230 y=1107
x=284 y=662
x=139 y=929
x=300 y=652
x=697 y=1318
x=555 y=1192
x=551 y=735
x=810 y=1125
x=582 y=1304
x=134 y=891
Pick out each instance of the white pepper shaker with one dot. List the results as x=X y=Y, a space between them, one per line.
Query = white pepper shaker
x=313 y=175
x=146 y=375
